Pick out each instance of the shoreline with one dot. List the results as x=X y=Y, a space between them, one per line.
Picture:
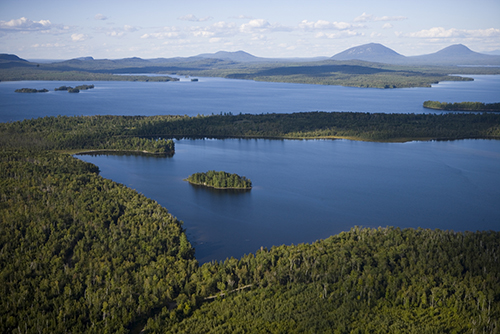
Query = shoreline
x=212 y=187
x=104 y=151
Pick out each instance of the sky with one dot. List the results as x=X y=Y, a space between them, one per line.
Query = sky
x=109 y=29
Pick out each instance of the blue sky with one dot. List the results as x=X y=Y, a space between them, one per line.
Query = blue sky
x=149 y=28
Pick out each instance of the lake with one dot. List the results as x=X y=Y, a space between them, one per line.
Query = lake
x=303 y=190
x=216 y=95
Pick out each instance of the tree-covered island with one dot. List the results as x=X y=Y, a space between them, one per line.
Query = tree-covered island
x=220 y=180
x=462 y=106
x=31 y=90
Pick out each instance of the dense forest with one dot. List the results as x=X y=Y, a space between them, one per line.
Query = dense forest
x=142 y=132
x=383 y=280
x=82 y=134
x=220 y=180
x=462 y=106
x=82 y=254
x=79 y=253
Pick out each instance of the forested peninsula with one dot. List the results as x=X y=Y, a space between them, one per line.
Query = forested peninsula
x=82 y=254
x=153 y=133
x=462 y=106
x=220 y=180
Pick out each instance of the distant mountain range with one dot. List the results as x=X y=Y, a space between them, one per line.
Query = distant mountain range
x=453 y=55
x=245 y=57
x=457 y=54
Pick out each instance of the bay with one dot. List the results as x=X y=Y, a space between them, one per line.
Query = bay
x=308 y=190
x=303 y=190
x=215 y=95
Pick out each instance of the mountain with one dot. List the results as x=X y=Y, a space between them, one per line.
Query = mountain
x=9 y=61
x=85 y=58
x=452 y=55
x=237 y=56
x=457 y=54
x=373 y=52
x=493 y=53
x=9 y=57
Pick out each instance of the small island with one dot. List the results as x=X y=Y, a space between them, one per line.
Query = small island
x=220 y=180
x=77 y=89
x=462 y=106
x=31 y=90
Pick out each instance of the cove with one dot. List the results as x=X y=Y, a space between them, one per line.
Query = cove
x=305 y=190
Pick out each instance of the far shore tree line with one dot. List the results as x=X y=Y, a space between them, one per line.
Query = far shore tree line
x=462 y=106
x=76 y=89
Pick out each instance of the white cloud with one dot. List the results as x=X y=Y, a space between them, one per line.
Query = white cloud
x=130 y=28
x=100 y=17
x=24 y=24
x=326 y=25
x=337 y=35
x=260 y=26
x=218 y=29
x=48 y=45
x=161 y=35
x=78 y=37
x=390 y=18
x=256 y=24
x=115 y=33
x=387 y=26
x=203 y=34
x=364 y=18
x=258 y=37
x=192 y=18
x=372 y=18
x=440 y=32
x=167 y=32
x=242 y=17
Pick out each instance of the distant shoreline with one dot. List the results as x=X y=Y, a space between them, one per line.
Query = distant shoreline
x=463 y=106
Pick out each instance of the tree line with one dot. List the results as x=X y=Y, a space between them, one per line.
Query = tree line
x=81 y=134
x=154 y=132
x=462 y=106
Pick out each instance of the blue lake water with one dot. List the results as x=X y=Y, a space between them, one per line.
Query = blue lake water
x=309 y=190
x=303 y=190
x=215 y=95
